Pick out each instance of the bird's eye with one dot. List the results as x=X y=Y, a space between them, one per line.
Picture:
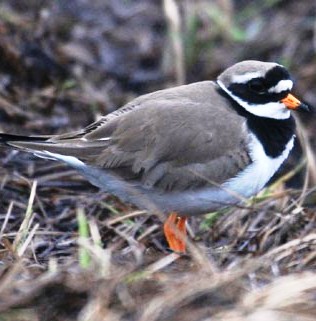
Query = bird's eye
x=257 y=85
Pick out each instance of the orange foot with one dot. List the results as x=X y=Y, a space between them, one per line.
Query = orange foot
x=175 y=232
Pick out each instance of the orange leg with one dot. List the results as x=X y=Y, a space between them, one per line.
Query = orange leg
x=175 y=232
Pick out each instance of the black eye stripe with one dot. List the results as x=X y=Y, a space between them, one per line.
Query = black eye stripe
x=242 y=91
x=257 y=85
x=271 y=79
x=258 y=79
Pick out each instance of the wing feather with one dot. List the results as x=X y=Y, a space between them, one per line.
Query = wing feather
x=178 y=138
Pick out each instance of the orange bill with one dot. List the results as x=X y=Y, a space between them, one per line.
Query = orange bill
x=175 y=232
x=291 y=102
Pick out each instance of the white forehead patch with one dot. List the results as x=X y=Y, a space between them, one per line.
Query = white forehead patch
x=282 y=85
x=242 y=79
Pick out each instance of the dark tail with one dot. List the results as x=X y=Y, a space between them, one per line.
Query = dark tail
x=7 y=138
x=36 y=144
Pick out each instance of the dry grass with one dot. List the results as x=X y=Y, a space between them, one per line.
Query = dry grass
x=258 y=265
x=69 y=252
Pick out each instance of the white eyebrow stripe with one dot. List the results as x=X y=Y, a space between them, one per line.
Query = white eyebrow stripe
x=242 y=79
x=282 y=85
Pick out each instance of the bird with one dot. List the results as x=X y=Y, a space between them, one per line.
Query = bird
x=185 y=150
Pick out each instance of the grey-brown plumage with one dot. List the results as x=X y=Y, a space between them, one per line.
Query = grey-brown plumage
x=173 y=139
x=173 y=148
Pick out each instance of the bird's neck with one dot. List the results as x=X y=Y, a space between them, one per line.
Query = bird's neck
x=273 y=134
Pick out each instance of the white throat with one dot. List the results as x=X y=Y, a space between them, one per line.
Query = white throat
x=276 y=110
